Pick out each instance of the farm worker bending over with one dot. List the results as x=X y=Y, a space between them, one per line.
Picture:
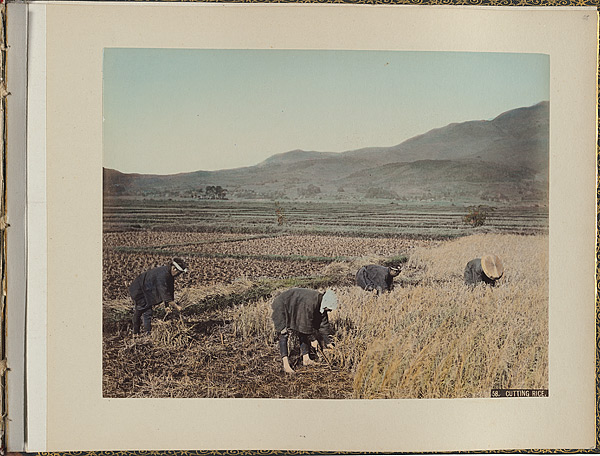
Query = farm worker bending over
x=305 y=312
x=153 y=287
x=375 y=277
x=486 y=269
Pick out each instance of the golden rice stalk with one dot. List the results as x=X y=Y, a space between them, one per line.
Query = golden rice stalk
x=441 y=338
x=254 y=321
x=192 y=295
x=171 y=334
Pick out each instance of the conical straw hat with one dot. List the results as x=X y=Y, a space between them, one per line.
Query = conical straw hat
x=492 y=266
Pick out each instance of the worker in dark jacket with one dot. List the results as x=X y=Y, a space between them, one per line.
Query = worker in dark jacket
x=375 y=277
x=153 y=287
x=487 y=269
x=305 y=312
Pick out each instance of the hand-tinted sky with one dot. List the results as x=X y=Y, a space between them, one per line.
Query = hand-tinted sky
x=169 y=111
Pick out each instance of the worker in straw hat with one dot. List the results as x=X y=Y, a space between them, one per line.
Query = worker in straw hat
x=487 y=269
x=303 y=311
x=153 y=287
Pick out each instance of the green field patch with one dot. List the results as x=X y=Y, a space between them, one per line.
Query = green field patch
x=236 y=256
x=215 y=241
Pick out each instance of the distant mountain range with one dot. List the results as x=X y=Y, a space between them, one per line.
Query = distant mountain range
x=504 y=160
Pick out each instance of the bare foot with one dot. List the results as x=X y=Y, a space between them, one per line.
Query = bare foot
x=286 y=366
x=306 y=361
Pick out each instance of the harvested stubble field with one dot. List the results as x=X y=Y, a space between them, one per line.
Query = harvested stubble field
x=120 y=269
x=431 y=337
x=201 y=357
x=217 y=258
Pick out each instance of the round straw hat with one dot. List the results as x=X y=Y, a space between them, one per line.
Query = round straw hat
x=492 y=266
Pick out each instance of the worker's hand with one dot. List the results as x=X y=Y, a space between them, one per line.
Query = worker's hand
x=173 y=304
x=330 y=346
x=314 y=344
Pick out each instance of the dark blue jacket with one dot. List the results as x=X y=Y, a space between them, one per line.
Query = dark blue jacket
x=299 y=309
x=154 y=286
x=375 y=277
x=474 y=273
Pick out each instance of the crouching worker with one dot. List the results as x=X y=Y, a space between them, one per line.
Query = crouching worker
x=374 y=277
x=487 y=269
x=153 y=287
x=303 y=311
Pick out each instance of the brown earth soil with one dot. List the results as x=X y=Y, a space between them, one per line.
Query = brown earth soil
x=200 y=357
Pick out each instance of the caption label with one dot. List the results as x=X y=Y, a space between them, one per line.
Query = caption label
x=519 y=393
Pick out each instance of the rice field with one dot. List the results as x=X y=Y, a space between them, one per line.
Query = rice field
x=441 y=338
x=431 y=337
x=381 y=219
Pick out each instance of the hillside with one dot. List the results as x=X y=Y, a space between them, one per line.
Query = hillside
x=503 y=160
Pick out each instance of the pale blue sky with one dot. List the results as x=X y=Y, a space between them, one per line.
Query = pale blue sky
x=169 y=110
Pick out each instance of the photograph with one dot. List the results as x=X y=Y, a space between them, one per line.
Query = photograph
x=325 y=224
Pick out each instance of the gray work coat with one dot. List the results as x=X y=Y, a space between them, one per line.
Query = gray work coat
x=375 y=277
x=153 y=287
x=299 y=309
x=474 y=273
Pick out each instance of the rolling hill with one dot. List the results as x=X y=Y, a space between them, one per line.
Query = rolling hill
x=503 y=160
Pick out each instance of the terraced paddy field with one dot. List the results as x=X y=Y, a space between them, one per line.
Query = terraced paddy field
x=383 y=218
